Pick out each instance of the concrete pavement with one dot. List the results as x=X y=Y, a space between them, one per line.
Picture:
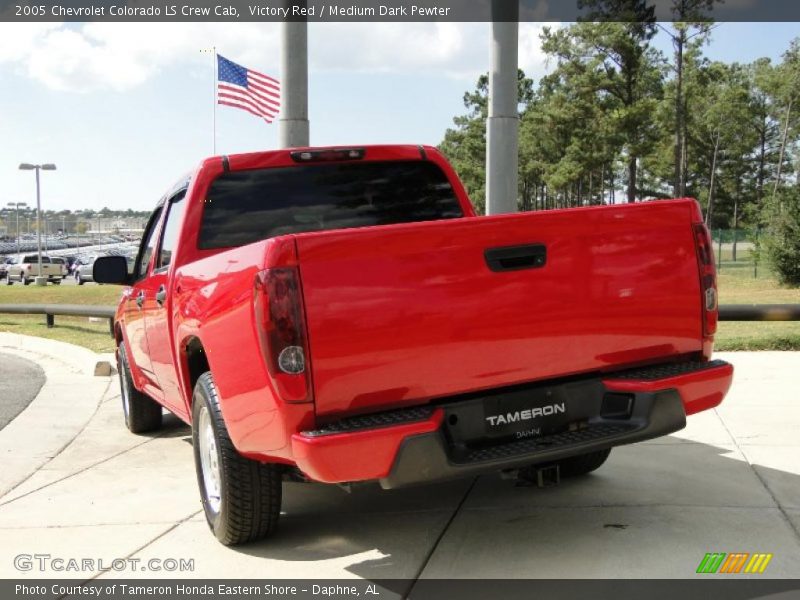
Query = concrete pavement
x=64 y=405
x=730 y=482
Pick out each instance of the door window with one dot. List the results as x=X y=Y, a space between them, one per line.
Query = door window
x=147 y=247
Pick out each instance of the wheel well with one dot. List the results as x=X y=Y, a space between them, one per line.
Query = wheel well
x=196 y=363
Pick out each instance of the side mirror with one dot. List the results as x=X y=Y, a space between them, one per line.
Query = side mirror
x=111 y=269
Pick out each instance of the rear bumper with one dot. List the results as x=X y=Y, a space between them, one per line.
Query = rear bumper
x=416 y=445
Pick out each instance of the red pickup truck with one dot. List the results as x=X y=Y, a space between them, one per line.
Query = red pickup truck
x=342 y=315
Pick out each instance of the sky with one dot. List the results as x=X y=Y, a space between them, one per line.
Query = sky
x=124 y=109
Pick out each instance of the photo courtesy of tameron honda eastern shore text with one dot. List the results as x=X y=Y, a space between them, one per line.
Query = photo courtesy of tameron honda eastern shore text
x=341 y=315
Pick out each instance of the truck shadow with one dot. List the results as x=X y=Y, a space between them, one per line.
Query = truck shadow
x=686 y=498
x=171 y=427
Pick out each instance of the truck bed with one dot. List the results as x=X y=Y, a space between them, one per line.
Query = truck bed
x=399 y=315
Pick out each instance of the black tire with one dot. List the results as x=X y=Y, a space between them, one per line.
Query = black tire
x=245 y=503
x=142 y=413
x=56 y=282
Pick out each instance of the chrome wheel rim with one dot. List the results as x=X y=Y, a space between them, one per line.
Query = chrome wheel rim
x=126 y=401
x=209 y=460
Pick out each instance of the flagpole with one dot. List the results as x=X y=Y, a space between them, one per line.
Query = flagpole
x=214 y=101
x=213 y=51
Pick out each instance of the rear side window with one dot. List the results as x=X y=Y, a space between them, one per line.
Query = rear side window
x=246 y=206
x=169 y=238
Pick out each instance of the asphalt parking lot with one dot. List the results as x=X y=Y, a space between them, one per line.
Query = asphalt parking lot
x=20 y=382
x=729 y=482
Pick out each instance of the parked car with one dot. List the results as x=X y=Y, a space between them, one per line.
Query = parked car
x=364 y=324
x=28 y=269
x=83 y=270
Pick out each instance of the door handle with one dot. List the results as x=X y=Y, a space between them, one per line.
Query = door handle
x=514 y=258
x=140 y=300
x=161 y=295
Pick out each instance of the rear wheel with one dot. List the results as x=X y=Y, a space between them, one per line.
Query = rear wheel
x=142 y=413
x=23 y=279
x=241 y=497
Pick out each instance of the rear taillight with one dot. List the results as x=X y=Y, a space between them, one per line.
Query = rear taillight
x=281 y=327
x=708 y=278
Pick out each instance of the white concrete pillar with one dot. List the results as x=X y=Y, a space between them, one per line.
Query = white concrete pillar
x=502 y=126
x=293 y=125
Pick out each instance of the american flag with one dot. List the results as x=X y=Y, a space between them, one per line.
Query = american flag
x=249 y=90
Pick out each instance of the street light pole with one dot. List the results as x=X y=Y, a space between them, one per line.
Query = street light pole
x=38 y=224
x=40 y=280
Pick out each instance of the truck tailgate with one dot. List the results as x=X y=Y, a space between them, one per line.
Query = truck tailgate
x=400 y=314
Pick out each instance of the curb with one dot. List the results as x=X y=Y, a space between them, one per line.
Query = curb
x=76 y=358
x=65 y=404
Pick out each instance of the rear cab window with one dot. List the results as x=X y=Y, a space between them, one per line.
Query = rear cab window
x=243 y=207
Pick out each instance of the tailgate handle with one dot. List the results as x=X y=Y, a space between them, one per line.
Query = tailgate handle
x=515 y=258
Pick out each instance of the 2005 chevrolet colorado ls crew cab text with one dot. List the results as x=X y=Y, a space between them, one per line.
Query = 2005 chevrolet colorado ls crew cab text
x=342 y=315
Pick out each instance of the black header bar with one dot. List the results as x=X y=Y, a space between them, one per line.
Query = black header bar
x=732 y=588
x=232 y=11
